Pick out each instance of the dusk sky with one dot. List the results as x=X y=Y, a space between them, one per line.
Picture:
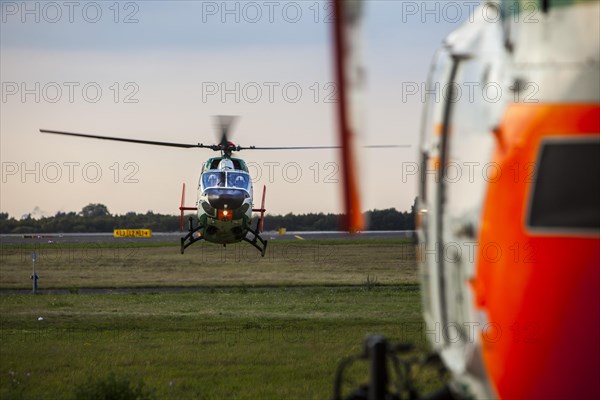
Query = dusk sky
x=160 y=70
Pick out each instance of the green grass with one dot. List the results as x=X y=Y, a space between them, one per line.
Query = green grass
x=286 y=263
x=10 y=248
x=246 y=344
x=272 y=328
x=140 y=243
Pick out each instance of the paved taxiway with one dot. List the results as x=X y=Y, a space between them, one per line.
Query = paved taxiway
x=174 y=237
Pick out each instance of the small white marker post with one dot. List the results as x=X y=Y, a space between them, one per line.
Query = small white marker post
x=34 y=277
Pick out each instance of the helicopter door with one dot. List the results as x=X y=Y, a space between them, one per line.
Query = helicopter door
x=430 y=202
x=457 y=135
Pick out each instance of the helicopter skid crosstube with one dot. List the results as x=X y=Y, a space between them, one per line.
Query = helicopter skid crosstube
x=190 y=236
x=255 y=241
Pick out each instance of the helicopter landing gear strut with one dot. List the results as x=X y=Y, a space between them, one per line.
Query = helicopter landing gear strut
x=190 y=236
x=258 y=242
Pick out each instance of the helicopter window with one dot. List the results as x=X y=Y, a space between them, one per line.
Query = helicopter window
x=213 y=179
x=238 y=180
x=562 y=199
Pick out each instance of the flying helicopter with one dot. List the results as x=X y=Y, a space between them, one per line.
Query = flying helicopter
x=224 y=204
x=509 y=255
x=225 y=200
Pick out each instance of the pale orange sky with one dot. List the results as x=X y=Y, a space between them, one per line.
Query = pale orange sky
x=168 y=75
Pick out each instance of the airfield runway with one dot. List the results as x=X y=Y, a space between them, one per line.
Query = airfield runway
x=174 y=237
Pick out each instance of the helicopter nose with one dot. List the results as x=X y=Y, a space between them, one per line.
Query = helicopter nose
x=221 y=199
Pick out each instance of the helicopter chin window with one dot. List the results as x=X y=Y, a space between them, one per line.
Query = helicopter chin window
x=565 y=192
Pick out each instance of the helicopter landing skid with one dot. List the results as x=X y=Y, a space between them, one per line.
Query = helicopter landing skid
x=257 y=241
x=189 y=238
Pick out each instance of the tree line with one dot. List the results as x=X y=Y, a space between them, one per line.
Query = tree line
x=95 y=218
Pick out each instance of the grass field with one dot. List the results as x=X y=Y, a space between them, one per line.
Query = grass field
x=334 y=262
x=271 y=328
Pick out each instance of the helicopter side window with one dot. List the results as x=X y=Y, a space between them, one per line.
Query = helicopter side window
x=213 y=179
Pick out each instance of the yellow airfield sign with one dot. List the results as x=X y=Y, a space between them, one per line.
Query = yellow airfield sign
x=138 y=233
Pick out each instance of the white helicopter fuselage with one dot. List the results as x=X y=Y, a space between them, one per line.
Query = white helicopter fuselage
x=500 y=249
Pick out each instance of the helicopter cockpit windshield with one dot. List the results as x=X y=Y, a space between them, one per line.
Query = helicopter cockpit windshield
x=213 y=179
x=220 y=179
x=238 y=180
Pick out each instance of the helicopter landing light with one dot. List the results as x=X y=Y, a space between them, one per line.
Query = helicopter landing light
x=225 y=215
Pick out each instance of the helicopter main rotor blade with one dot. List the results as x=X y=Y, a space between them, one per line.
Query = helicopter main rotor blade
x=117 y=139
x=219 y=147
x=224 y=124
x=388 y=146
x=377 y=146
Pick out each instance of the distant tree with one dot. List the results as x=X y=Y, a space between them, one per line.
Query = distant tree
x=95 y=210
x=96 y=218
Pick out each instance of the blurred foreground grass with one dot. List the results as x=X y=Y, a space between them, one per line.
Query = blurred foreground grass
x=226 y=343
x=272 y=328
